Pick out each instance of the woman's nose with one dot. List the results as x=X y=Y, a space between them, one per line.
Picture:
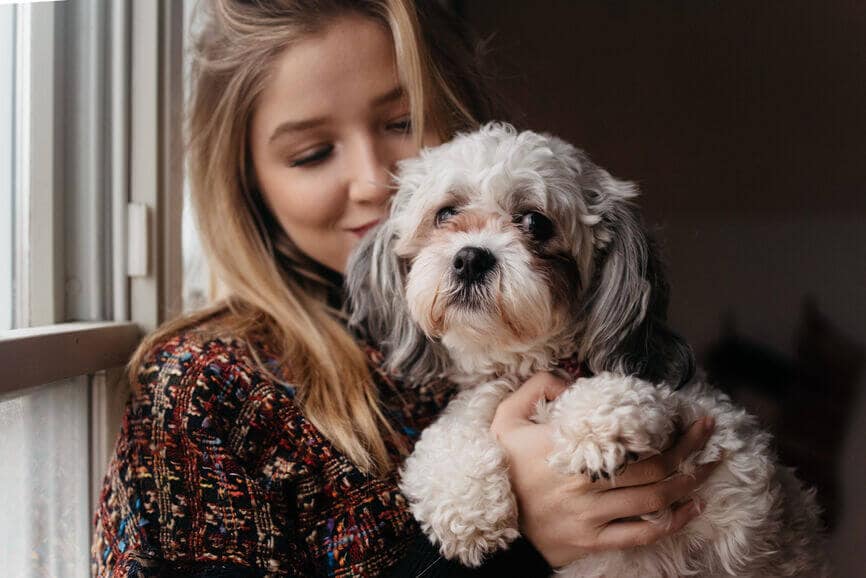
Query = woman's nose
x=371 y=182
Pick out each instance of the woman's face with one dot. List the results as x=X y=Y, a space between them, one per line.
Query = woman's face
x=327 y=129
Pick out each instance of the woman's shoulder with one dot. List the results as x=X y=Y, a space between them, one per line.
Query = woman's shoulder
x=201 y=352
x=208 y=438
x=197 y=380
x=191 y=351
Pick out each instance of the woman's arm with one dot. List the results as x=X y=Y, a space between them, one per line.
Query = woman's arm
x=182 y=496
x=520 y=560
x=565 y=517
x=562 y=516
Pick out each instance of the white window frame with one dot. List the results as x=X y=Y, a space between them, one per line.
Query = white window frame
x=112 y=70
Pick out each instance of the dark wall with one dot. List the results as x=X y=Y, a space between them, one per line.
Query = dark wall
x=723 y=106
x=744 y=122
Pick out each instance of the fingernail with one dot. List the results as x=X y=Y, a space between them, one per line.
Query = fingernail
x=692 y=511
x=709 y=423
x=697 y=506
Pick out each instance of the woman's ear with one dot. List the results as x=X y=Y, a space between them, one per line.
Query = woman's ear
x=624 y=309
x=376 y=281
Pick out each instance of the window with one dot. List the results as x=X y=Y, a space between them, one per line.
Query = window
x=197 y=290
x=198 y=287
x=79 y=154
x=7 y=147
x=43 y=444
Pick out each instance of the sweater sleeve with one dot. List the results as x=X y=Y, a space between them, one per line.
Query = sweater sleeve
x=201 y=481
x=422 y=560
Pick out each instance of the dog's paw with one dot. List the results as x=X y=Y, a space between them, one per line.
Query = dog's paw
x=596 y=459
x=466 y=508
x=469 y=525
x=605 y=422
x=471 y=545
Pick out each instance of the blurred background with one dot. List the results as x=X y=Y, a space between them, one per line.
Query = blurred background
x=744 y=123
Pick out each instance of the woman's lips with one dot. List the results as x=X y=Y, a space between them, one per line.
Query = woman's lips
x=362 y=230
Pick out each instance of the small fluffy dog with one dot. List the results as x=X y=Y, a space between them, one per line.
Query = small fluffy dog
x=507 y=252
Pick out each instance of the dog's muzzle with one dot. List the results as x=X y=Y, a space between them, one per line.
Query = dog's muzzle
x=472 y=264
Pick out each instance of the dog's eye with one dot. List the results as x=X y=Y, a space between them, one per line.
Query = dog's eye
x=537 y=225
x=444 y=214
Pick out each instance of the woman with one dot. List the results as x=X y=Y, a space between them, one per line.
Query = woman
x=260 y=438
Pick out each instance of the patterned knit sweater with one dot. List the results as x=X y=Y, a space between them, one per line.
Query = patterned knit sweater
x=217 y=473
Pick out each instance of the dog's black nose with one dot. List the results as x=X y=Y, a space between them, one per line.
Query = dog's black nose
x=472 y=263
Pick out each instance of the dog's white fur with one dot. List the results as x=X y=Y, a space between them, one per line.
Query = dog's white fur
x=589 y=285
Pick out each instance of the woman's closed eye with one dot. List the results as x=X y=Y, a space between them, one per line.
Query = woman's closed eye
x=315 y=157
x=401 y=126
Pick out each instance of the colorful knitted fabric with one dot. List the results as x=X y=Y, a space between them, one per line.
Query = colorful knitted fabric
x=214 y=463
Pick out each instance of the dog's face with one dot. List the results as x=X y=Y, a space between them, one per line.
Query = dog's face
x=506 y=244
x=498 y=238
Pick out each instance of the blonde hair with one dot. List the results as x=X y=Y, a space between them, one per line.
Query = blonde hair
x=274 y=289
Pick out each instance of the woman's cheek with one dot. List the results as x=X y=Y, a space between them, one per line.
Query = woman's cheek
x=312 y=202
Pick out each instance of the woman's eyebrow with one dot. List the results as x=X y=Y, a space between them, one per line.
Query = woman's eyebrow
x=290 y=126
x=296 y=126
x=395 y=93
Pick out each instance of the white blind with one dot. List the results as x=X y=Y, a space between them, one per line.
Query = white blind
x=44 y=479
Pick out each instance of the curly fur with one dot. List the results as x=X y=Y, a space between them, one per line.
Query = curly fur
x=570 y=271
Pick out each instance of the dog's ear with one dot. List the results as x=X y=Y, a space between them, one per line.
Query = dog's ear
x=624 y=308
x=376 y=281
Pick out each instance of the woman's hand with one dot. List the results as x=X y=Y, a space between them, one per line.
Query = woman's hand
x=566 y=517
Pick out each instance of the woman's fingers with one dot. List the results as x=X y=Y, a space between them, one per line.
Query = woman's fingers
x=657 y=468
x=517 y=408
x=620 y=535
x=637 y=501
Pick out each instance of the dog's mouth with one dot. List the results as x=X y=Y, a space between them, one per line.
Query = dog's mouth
x=472 y=297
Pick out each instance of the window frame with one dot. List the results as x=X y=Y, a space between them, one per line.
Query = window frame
x=119 y=88
x=7 y=170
